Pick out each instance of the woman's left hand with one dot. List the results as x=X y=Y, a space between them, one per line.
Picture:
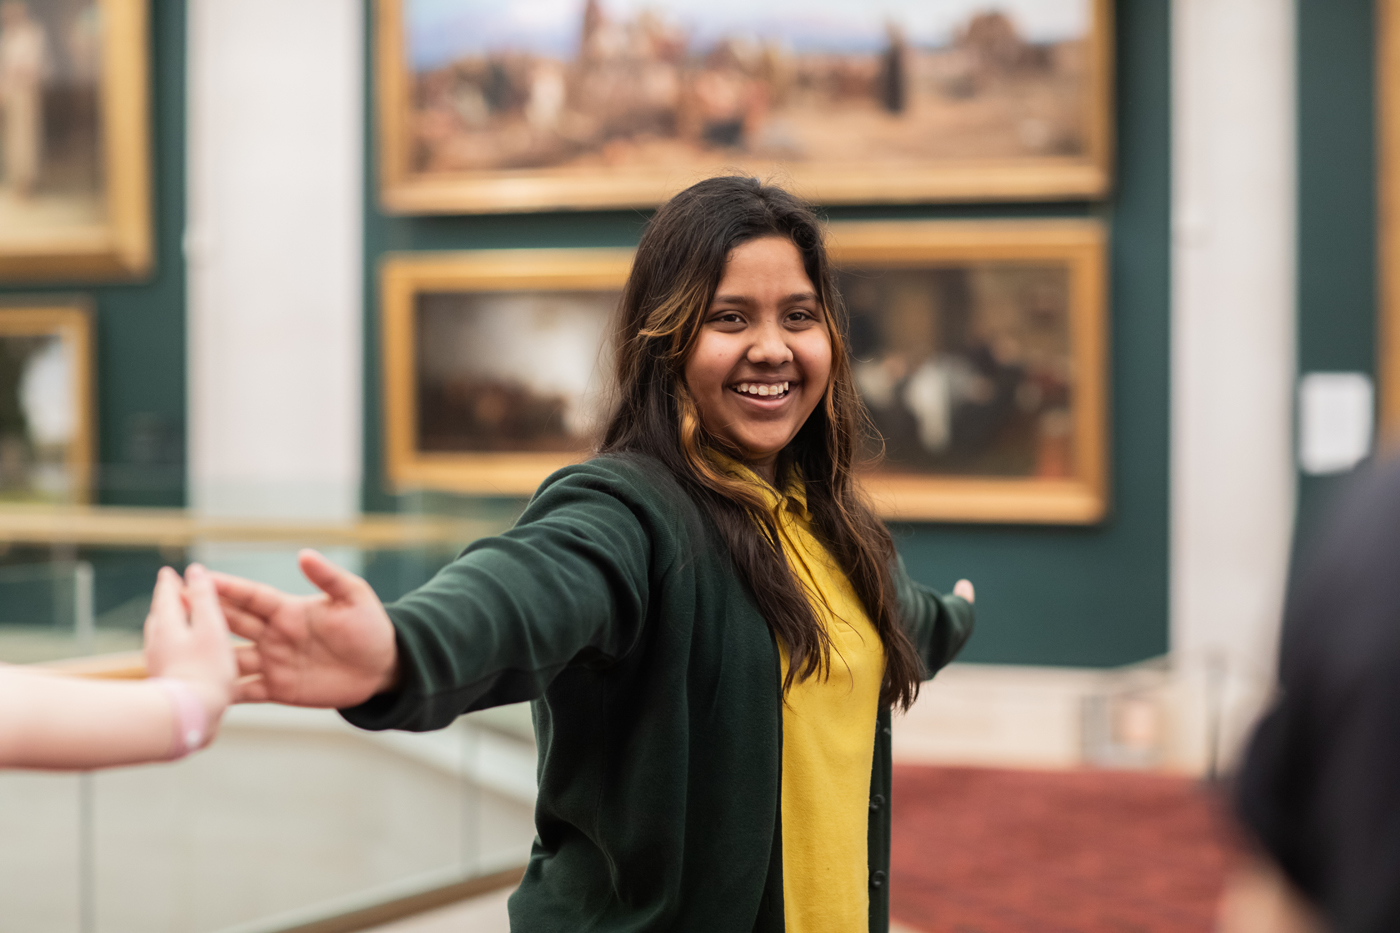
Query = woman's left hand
x=964 y=589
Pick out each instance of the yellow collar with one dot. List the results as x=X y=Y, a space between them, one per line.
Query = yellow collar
x=794 y=492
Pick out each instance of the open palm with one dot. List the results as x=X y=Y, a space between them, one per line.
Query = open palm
x=335 y=649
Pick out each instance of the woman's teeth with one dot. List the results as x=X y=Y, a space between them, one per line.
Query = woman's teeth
x=758 y=388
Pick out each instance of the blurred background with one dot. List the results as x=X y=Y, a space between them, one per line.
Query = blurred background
x=284 y=273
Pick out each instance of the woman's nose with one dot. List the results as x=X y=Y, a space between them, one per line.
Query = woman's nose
x=769 y=346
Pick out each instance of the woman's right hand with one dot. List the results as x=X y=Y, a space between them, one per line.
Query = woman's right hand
x=333 y=650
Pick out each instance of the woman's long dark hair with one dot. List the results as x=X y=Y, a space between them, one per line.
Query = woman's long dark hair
x=678 y=267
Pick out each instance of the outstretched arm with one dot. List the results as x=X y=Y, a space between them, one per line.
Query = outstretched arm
x=56 y=722
x=495 y=626
x=938 y=625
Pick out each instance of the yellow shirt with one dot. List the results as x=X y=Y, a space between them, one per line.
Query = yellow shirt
x=828 y=738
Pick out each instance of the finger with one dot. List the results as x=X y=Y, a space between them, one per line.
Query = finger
x=256 y=598
x=167 y=615
x=340 y=585
x=964 y=589
x=205 y=615
x=249 y=660
x=251 y=689
x=244 y=624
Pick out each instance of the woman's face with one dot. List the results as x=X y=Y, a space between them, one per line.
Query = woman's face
x=763 y=358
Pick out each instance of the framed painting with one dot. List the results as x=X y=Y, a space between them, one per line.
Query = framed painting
x=74 y=147
x=979 y=352
x=46 y=411
x=578 y=104
x=494 y=364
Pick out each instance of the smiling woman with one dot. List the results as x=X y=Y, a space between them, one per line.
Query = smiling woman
x=712 y=622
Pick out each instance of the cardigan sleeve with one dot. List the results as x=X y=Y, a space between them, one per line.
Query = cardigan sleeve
x=938 y=625
x=569 y=583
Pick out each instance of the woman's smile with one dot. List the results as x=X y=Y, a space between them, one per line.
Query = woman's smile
x=757 y=390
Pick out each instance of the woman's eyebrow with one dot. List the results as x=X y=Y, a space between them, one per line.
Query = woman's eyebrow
x=745 y=300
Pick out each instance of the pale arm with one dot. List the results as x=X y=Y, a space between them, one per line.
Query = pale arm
x=56 y=722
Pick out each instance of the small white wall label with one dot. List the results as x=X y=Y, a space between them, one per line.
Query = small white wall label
x=1336 y=421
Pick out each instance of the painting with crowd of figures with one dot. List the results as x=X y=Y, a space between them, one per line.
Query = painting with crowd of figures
x=74 y=178
x=535 y=104
x=45 y=413
x=978 y=349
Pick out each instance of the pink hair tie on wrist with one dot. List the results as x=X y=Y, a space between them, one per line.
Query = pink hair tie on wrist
x=189 y=716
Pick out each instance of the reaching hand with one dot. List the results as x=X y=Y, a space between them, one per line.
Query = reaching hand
x=193 y=648
x=332 y=650
x=964 y=589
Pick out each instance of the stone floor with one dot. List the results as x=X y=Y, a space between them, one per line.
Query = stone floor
x=290 y=815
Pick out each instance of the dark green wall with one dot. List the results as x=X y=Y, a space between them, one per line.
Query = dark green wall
x=141 y=325
x=1336 y=203
x=1070 y=596
x=1096 y=596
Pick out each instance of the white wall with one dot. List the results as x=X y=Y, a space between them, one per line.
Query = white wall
x=275 y=257
x=1233 y=323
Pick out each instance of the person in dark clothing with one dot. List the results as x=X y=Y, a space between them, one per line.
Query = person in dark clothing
x=1319 y=788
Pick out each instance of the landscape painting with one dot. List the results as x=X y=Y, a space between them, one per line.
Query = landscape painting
x=495 y=364
x=498 y=105
x=510 y=371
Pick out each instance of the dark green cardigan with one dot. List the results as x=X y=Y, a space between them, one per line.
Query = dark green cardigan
x=613 y=605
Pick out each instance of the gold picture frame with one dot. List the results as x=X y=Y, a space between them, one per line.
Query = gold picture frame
x=650 y=178
x=1070 y=252
x=1388 y=213
x=107 y=233
x=1078 y=250
x=404 y=278
x=47 y=419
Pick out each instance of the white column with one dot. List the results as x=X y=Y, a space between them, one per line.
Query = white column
x=275 y=257
x=1233 y=331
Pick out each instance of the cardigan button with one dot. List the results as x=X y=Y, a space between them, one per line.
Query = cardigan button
x=877 y=879
x=877 y=801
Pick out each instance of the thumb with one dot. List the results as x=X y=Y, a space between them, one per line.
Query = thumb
x=339 y=584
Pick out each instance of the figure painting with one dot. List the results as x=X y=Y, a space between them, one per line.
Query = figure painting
x=489 y=105
x=73 y=178
x=978 y=349
x=967 y=369
x=45 y=429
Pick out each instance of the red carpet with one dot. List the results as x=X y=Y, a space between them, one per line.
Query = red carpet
x=988 y=851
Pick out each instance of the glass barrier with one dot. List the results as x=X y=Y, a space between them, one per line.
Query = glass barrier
x=292 y=815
